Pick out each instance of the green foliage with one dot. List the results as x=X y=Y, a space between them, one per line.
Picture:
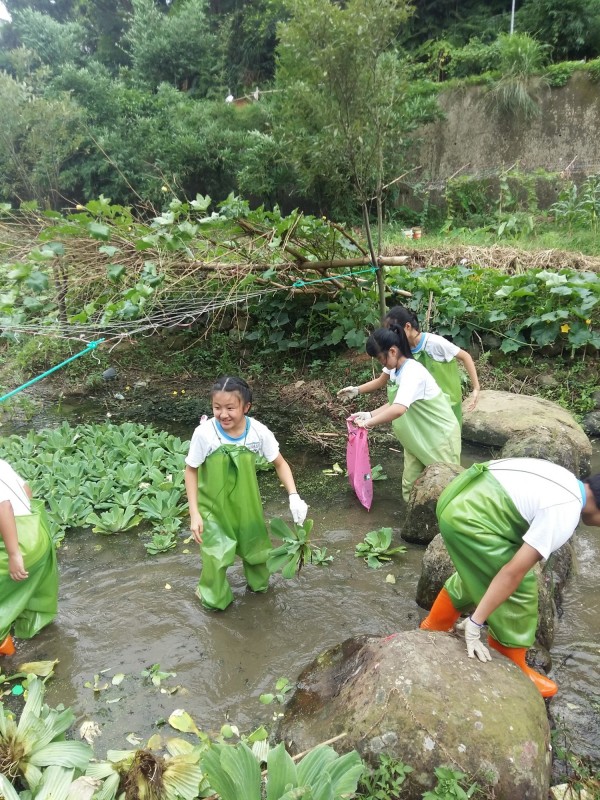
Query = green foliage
x=35 y=743
x=135 y=474
x=282 y=688
x=295 y=549
x=385 y=780
x=579 y=206
x=320 y=775
x=557 y=75
x=52 y=43
x=450 y=785
x=521 y=60
x=38 y=136
x=350 y=317
x=570 y=27
x=173 y=47
x=536 y=308
x=346 y=107
x=160 y=543
x=375 y=550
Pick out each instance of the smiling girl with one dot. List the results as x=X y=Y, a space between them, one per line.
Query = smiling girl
x=421 y=416
x=226 y=515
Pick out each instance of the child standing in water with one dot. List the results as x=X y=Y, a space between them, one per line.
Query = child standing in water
x=419 y=411
x=28 y=569
x=226 y=515
x=438 y=356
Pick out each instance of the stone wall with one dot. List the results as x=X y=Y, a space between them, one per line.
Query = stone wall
x=473 y=139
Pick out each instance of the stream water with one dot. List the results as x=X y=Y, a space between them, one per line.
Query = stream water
x=122 y=611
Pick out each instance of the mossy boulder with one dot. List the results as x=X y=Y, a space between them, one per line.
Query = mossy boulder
x=530 y=427
x=418 y=698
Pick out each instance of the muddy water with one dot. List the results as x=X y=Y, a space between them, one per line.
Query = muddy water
x=122 y=610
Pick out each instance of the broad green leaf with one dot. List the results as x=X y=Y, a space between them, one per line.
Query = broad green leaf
x=281 y=772
x=99 y=230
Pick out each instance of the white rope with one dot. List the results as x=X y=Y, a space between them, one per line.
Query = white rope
x=169 y=312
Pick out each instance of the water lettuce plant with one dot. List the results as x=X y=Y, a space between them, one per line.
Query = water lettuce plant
x=111 y=477
x=160 y=543
x=375 y=548
x=37 y=741
x=320 y=775
x=295 y=549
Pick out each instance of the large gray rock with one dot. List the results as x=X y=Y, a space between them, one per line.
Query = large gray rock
x=532 y=426
x=418 y=698
x=420 y=524
x=436 y=568
x=591 y=423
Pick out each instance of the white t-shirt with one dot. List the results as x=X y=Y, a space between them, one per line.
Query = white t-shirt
x=12 y=487
x=437 y=347
x=414 y=383
x=209 y=436
x=547 y=496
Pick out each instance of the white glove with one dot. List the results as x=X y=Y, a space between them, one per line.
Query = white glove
x=475 y=646
x=348 y=393
x=298 y=508
x=361 y=418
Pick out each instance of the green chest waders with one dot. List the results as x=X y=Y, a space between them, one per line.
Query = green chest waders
x=428 y=432
x=30 y=604
x=482 y=531
x=447 y=377
x=231 y=508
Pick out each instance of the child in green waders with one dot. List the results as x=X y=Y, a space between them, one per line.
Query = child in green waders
x=498 y=519
x=28 y=569
x=419 y=411
x=438 y=356
x=226 y=516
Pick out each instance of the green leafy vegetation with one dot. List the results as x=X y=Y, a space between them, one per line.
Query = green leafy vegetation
x=375 y=550
x=296 y=550
x=111 y=477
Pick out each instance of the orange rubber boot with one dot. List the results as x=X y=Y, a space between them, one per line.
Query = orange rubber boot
x=545 y=686
x=442 y=616
x=7 y=648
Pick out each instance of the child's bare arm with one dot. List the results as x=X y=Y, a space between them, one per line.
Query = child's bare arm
x=191 y=490
x=8 y=530
x=469 y=365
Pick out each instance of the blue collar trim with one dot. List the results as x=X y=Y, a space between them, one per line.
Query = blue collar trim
x=233 y=438
x=420 y=345
x=583 y=494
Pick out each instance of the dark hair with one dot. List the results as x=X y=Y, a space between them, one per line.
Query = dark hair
x=228 y=383
x=401 y=315
x=382 y=339
x=594 y=483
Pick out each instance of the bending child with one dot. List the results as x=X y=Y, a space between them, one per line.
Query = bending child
x=419 y=411
x=226 y=516
x=28 y=568
x=498 y=519
x=438 y=355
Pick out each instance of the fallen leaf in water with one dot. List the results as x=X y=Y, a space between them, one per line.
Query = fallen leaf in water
x=181 y=721
x=167 y=585
x=89 y=731
x=133 y=739
x=118 y=679
x=390 y=578
x=155 y=742
x=40 y=668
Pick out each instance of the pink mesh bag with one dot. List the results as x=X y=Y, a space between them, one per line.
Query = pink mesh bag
x=358 y=464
